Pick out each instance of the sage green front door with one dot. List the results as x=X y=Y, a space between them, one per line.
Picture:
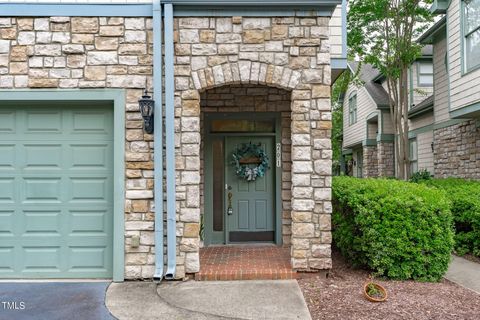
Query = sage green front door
x=56 y=191
x=250 y=205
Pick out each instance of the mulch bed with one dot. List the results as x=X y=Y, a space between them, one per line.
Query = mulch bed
x=340 y=296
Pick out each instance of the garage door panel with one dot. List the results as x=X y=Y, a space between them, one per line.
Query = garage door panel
x=91 y=221
x=56 y=192
x=7 y=222
x=7 y=122
x=7 y=259
x=45 y=222
x=89 y=189
x=7 y=157
x=42 y=189
x=38 y=121
x=43 y=156
x=7 y=190
x=89 y=258
x=88 y=122
x=90 y=156
x=43 y=258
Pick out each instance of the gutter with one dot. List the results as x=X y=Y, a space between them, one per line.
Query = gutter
x=158 y=138
x=170 y=142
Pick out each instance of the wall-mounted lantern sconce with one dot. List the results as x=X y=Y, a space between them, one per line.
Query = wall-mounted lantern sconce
x=431 y=145
x=147 y=104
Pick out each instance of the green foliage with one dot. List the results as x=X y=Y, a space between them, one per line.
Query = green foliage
x=338 y=91
x=400 y=230
x=382 y=32
x=465 y=198
x=422 y=175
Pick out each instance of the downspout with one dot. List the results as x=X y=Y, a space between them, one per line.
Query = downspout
x=170 y=142
x=158 y=138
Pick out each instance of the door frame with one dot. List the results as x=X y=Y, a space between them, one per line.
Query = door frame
x=208 y=170
x=116 y=97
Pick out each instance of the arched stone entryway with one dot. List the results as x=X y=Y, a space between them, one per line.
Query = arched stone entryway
x=311 y=158
x=290 y=53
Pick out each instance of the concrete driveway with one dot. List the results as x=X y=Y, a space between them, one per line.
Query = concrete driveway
x=53 y=300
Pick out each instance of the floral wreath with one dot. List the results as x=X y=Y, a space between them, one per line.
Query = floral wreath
x=247 y=155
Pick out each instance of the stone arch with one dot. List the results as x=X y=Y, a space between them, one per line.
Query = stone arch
x=246 y=72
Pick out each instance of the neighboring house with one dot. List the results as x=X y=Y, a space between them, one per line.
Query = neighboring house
x=83 y=189
x=456 y=103
x=444 y=124
x=367 y=125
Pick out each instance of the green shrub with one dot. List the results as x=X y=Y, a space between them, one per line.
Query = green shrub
x=398 y=229
x=465 y=198
x=422 y=175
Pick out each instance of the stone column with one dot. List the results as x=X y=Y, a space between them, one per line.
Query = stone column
x=370 y=162
x=386 y=159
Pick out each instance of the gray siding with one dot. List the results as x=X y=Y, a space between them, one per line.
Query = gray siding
x=463 y=88
x=421 y=121
x=425 y=154
x=356 y=133
x=387 y=123
x=440 y=80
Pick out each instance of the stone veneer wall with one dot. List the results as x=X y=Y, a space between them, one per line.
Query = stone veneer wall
x=386 y=158
x=457 y=151
x=98 y=52
x=256 y=98
x=290 y=53
x=370 y=162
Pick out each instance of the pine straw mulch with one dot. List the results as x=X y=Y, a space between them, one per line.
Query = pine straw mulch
x=340 y=296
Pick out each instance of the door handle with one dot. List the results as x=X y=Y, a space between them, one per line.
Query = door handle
x=230 y=208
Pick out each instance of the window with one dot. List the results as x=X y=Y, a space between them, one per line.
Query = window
x=352 y=108
x=413 y=156
x=471 y=34
x=425 y=74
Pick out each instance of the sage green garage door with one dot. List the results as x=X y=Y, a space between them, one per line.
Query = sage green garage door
x=56 y=190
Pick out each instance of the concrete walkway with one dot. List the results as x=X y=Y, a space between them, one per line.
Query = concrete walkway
x=464 y=273
x=207 y=300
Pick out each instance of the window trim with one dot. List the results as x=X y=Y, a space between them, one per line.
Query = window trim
x=352 y=110
x=419 y=74
x=465 y=69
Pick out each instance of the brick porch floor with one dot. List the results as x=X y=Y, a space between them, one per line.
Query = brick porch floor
x=245 y=263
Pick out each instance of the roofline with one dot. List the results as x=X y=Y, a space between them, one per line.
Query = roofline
x=265 y=8
x=379 y=106
x=415 y=113
x=427 y=36
x=313 y=3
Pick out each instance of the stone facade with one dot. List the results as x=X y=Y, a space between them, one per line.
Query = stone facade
x=370 y=162
x=457 y=151
x=98 y=52
x=386 y=159
x=378 y=161
x=288 y=53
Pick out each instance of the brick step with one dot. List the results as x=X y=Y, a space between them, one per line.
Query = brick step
x=255 y=274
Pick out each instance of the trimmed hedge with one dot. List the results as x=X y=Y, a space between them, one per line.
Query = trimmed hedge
x=465 y=198
x=398 y=229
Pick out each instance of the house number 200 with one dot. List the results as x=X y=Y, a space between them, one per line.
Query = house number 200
x=279 y=155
